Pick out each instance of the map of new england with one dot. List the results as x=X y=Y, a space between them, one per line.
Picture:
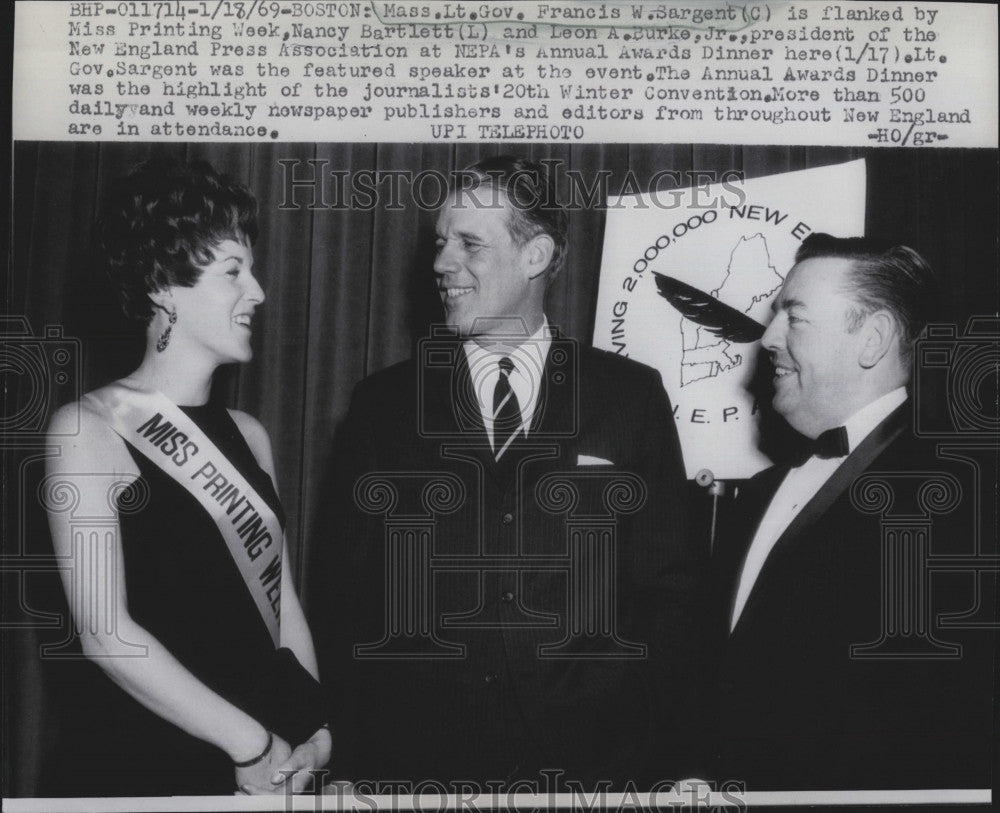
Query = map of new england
x=750 y=278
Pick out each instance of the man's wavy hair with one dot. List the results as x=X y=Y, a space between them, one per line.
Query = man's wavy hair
x=162 y=221
x=882 y=277
x=533 y=207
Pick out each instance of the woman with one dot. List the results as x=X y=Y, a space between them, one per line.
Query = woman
x=184 y=604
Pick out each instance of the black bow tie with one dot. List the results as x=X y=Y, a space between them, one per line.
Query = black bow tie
x=831 y=443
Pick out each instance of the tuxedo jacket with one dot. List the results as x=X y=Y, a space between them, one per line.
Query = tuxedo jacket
x=801 y=702
x=553 y=627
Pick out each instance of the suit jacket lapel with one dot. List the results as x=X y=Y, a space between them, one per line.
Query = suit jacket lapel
x=734 y=542
x=855 y=464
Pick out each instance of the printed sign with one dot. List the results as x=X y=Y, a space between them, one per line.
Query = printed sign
x=686 y=275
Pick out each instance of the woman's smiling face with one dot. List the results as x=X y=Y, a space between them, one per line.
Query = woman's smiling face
x=214 y=315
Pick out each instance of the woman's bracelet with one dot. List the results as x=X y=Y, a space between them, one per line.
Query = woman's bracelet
x=260 y=758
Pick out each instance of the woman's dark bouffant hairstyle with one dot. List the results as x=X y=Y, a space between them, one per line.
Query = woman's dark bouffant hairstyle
x=161 y=222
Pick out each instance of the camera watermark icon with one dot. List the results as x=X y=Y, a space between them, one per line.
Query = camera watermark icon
x=955 y=385
x=414 y=628
x=966 y=368
x=39 y=373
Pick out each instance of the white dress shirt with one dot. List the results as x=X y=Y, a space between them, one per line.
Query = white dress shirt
x=526 y=378
x=799 y=486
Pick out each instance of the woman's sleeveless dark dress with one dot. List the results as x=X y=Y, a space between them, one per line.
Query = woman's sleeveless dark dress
x=184 y=588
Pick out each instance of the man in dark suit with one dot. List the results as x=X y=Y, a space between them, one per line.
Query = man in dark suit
x=838 y=669
x=509 y=586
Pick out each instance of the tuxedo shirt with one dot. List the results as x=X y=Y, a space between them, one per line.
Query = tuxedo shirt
x=799 y=486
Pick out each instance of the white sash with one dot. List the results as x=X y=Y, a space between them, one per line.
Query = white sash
x=159 y=429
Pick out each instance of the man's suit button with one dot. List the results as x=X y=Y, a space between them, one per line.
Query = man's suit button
x=507 y=518
x=508 y=596
x=491 y=677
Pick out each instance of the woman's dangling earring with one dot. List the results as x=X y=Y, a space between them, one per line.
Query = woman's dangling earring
x=164 y=340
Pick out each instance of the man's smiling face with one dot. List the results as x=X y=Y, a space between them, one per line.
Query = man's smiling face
x=815 y=356
x=482 y=272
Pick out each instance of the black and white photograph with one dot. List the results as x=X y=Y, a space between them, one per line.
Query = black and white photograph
x=506 y=466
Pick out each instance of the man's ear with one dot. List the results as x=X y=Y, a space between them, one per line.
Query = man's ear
x=538 y=253
x=880 y=335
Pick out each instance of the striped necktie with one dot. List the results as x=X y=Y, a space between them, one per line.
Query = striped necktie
x=506 y=410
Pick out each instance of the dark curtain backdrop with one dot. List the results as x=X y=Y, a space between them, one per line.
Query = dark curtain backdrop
x=348 y=291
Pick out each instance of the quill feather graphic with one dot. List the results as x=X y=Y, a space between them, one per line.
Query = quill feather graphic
x=704 y=309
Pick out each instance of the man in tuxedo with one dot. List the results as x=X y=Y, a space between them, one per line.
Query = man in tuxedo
x=509 y=586
x=837 y=669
